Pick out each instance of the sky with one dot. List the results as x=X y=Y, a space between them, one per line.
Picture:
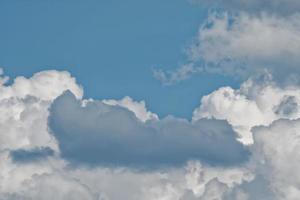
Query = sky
x=111 y=47
x=149 y=100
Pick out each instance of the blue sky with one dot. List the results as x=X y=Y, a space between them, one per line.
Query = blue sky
x=110 y=46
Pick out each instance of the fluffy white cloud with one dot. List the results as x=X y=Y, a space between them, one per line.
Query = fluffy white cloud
x=24 y=108
x=276 y=157
x=45 y=85
x=274 y=162
x=246 y=45
x=259 y=101
x=138 y=108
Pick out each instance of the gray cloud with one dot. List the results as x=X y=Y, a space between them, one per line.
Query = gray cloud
x=287 y=106
x=99 y=134
x=180 y=74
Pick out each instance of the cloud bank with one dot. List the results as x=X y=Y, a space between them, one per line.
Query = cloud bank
x=61 y=146
x=97 y=133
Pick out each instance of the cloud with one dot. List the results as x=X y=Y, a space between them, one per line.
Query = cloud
x=276 y=152
x=259 y=101
x=171 y=77
x=171 y=184
x=247 y=45
x=45 y=85
x=242 y=45
x=48 y=187
x=270 y=115
x=102 y=131
x=138 y=108
x=97 y=133
x=24 y=109
x=255 y=40
x=274 y=162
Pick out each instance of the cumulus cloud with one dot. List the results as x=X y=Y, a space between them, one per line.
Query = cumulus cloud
x=97 y=133
x=138 y=108
x=259 y=101
x=116 y=136
x=24 y=108
x=274 y=163
x=276 y=153
x=46 y=85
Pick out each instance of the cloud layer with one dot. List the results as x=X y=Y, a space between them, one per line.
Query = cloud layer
x=97 y=133
x=61 y=146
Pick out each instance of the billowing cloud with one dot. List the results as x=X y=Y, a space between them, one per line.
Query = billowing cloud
x=117 y=136
x=96 y=133
x=24 y=108
x=46 y=85
x=259 y=101
x=276 y=155
x=138 y=108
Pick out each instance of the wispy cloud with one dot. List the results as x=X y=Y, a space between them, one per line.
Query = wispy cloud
x=171 y=77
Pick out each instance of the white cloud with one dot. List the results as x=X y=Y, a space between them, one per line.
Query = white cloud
x=23 y=123
x=24 y=108
x=276 y=156
x=45 y=85
x=271 y=173
x=173 y=183
x=259 y=101
x=246 y=45
x=138 y=108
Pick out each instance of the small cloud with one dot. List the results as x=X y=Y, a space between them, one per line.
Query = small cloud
x=171 y=77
